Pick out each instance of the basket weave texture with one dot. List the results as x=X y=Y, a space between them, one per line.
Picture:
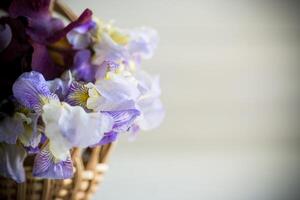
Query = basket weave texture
x=89 y=167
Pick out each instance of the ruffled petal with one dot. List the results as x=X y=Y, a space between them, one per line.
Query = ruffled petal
x=152 y=114
x=11 y=161
x=58 y=145
x=83 y=129
x=107 y=49
x=149 y=103
x=143 y=42
x=31 y=90
x=123 y=119
x=47 y=166
x=118 y=88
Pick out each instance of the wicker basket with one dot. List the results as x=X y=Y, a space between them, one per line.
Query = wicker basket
x=89 y=166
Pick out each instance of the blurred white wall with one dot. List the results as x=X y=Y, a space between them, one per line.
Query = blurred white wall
x=230 y=78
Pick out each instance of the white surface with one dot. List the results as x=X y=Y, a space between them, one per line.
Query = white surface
x=229 y=72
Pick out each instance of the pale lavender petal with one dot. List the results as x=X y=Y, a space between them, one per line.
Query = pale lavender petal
x=10 y=129
x=11 y=161
x=152 y=113
x=143 y=42
x=46 y=166
x=30 y=88
x=133 y=132
x=83 y=129
x=123 y=119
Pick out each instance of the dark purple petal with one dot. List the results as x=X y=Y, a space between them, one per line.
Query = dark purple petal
x=85 y=17
x=46 y=166
x=16 y=57
x=30 y=8
x=43 y=63
x=123 y=119
x=30 y=89
x=108 y=138
x=11 y=161
x=83 y=69
x=39 y=30
x=41 y=24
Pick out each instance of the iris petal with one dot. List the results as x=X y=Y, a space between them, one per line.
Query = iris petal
x=11 y=161
x=123 y=119
x=31 y=89
x=10 y=129
x=46 y=166
x=108 y=138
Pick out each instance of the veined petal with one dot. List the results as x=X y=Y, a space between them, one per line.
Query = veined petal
x=11 y=128
x=11 y=161
x=78 y=94
x=123 y=119
x=108 y=138
x=47 y=166
x=31 y=90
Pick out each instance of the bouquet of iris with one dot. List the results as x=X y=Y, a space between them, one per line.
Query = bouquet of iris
x=70 y=86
